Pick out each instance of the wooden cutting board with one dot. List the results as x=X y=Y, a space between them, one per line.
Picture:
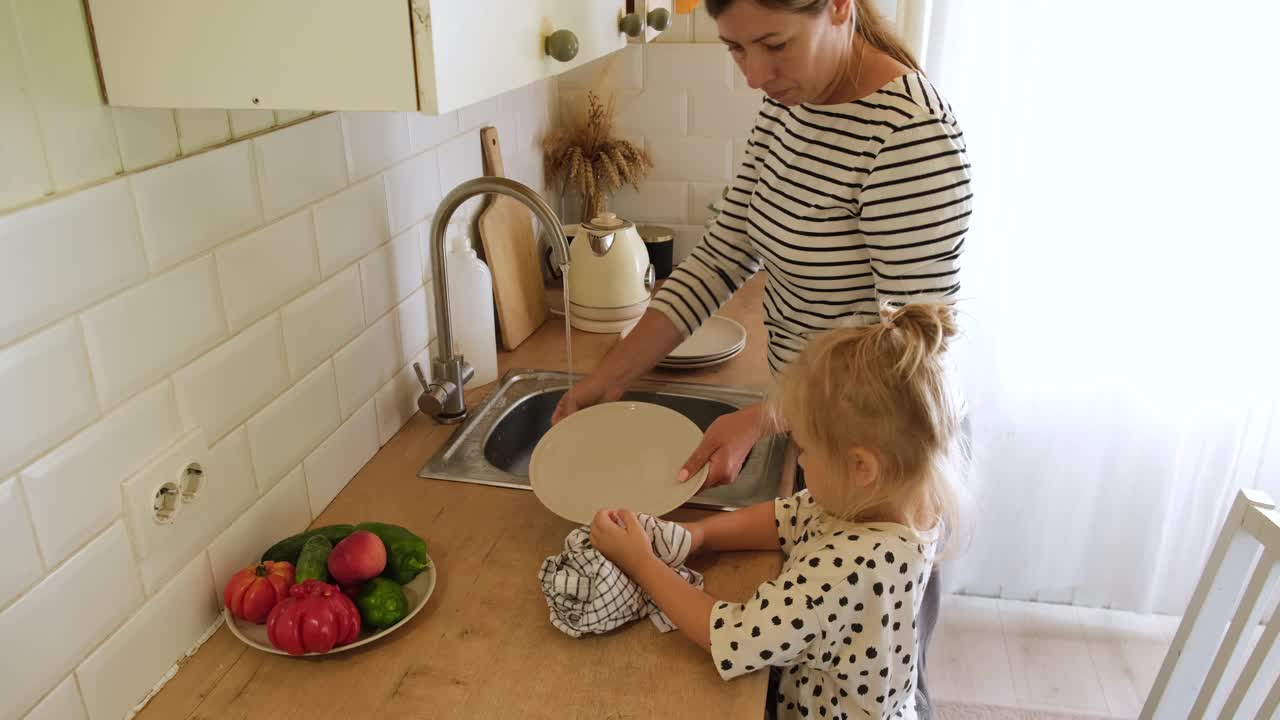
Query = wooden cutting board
x=510 y=248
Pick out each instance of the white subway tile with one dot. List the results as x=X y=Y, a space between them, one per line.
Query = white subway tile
x=413 y=191
x=287 y=430
x=657 y=110
x=697 y=68
x=740 y=80
x=701 y=195
x=229 y=489
x=696 y=159
x=351 y=224
x=233 y=381
x=375 y=141
x=248 y=122
x=26 y=172
x=626 y=70
x=533 y=121
x=65 y=255
x=397 y=401
x=494 y=111
x=45 y=394
x=413 y=323
x=189 y=206
x=339 y=458
x=288 y=116
x=460 y=160
x=22 y=565
x=478 y=115
x=390 y=273
x=262 y=271
x=681 y=30
x=79 y=141
x=199 y=129
x=90 y=468
x=103 y=571
x=705 y=30
x=687 y=238
x=655 y=202
x=300 y=164
x=147 y=136
x=427 y=131
x=366 y=364
x=62 y=704
x=280 y=513
x=147 y=332
x=724 y=114
x=124 y=669
x=323 y=320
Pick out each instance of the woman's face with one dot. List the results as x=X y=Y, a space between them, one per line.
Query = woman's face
x=793 y=57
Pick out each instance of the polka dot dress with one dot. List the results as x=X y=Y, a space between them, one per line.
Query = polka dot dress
x=839 y=620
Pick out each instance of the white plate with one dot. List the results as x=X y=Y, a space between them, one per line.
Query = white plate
x=417 y=592
x=697 y=364
x=717 y=336
x=615 y=455
x=718 y=356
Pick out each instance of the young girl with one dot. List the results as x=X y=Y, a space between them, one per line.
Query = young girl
x=875 y=422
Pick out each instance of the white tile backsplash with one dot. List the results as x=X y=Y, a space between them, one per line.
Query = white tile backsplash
x=317 y=324
x=724 y=114
x=280 y=513
x=397 y=401
x=301 y=164
x=26 y=174
x=413 y=322
x=104 y=571
x=188 y=207
x=22 y=565
x=688 y=158
x=460 y=160
x=287 y=430
x=366 y=364
x=199 y=129
x=45 y=394
x=263 y=270
x=62 y=704
x=339 y=458
x=390 y=273
x=80 y=145
x=74 y=491
x=427 y=131
x=375 y=141
x=224 y=387
x=696 y=67
x=653 y=111
x=122 y=671
x=248 y=122
x=61 y=257
x=351 y=224
x=656 y=201
x=701 y=195
x=147 y=332
x=413 y=191
x=147 y=136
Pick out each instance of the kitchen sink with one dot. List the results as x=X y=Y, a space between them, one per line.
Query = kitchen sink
x=494 y=445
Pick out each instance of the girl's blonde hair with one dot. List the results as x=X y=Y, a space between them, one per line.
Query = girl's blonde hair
x=883 y=387
x=869 y=24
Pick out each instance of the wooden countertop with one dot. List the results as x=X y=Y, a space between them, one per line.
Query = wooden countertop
x=483 y=646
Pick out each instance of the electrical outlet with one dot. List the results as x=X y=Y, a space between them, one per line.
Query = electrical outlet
x=162 y=502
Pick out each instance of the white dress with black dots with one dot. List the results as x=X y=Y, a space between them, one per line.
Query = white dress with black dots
x=840 y=618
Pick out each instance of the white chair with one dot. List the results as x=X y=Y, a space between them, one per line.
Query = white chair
x=1211 y=670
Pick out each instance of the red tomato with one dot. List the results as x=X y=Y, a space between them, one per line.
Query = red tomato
x=316 y=618
x=252 y=592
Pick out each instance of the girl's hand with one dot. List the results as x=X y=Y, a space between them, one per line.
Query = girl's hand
x=618 y=536
x=698 y=533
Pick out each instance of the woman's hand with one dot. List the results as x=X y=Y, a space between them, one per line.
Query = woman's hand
x=725 y=446
x=586 y=392
x=618 y=536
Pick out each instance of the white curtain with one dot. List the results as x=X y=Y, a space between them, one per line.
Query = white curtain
x=1122 y=323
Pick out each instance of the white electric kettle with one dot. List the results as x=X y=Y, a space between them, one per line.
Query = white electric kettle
x=610 y=277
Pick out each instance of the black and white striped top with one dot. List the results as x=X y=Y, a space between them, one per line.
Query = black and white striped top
x=846 y=207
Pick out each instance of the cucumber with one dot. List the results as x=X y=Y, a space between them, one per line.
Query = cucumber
x=313 y=561
x=290 y=548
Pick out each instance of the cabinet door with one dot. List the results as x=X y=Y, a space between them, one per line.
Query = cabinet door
x=287 y=54
x=473 y=50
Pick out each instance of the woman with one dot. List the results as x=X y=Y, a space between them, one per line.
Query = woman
x=854 y=193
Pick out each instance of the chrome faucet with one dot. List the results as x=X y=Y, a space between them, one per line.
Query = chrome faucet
x=442 y=397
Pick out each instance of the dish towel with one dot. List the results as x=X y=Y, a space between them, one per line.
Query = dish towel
x=588 y=594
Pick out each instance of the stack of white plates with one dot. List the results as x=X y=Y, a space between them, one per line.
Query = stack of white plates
x=718 y=340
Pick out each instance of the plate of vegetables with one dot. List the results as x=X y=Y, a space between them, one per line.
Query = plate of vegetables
x=330 y=589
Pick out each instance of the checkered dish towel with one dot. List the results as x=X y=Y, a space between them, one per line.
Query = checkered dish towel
x=588 y=594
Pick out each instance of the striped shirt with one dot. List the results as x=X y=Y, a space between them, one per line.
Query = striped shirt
x=847 y=208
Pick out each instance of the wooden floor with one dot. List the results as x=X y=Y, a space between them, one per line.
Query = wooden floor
x=1046 y=657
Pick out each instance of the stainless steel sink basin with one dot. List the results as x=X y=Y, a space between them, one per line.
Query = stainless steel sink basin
x=493 y=447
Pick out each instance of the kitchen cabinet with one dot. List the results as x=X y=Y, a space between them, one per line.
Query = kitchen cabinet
x=428 y=55
x=653 y=16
